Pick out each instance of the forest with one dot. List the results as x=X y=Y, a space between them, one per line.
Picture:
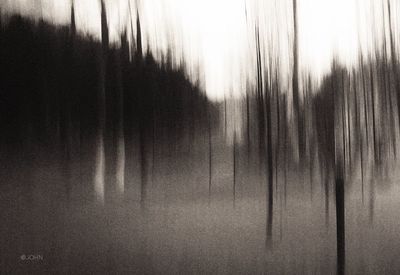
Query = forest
x=114 y=111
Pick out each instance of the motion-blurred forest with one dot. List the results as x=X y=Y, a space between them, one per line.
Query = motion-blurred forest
x=67 y=96
x=68 y=92
x=62 y=85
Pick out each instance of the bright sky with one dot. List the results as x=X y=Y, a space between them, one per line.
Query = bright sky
x=216 y=37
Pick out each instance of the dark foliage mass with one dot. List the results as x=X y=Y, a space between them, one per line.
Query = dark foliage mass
x=56 y=84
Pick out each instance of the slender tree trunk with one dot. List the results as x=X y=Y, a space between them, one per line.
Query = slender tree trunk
x=394 y=60
x=100 y=155
x=373 y=115
x=120 y=169
x=248 y=123
x=365 y=105
x=340 y=226
x=277 y=150
x=260 y=102
x=234 y=168
x=209 y=155
x=295 y=86
x=269 y=169
x=359 y=136
x=340 y=154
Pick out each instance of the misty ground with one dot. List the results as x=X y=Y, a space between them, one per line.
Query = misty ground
x=181 y=227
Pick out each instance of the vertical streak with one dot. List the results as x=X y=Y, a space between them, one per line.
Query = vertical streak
x=360 y=135
x=373 y=114
x=99 y=169
x=234 y=168
x=209 y=155
x=277 y=150
x=394 y=59
x=100 y=155
x=295 y=81
x=339 y=181
x=120 y=172
x=365 y=105
x=270 y=171
x=248 y=122
x=340 y=226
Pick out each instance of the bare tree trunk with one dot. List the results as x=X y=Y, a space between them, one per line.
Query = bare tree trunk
x=394 y=59
x=209 y=155
x=278 y=121
x=248 y=123
x=100 y=155
x=340 y=225
x=234 y=168
x=260 y=102
x=270 y=171
x=339 y=180
x=365 y=104
x=295 y=86
x=373 y=114
x=359 y=136
x=120 y=169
